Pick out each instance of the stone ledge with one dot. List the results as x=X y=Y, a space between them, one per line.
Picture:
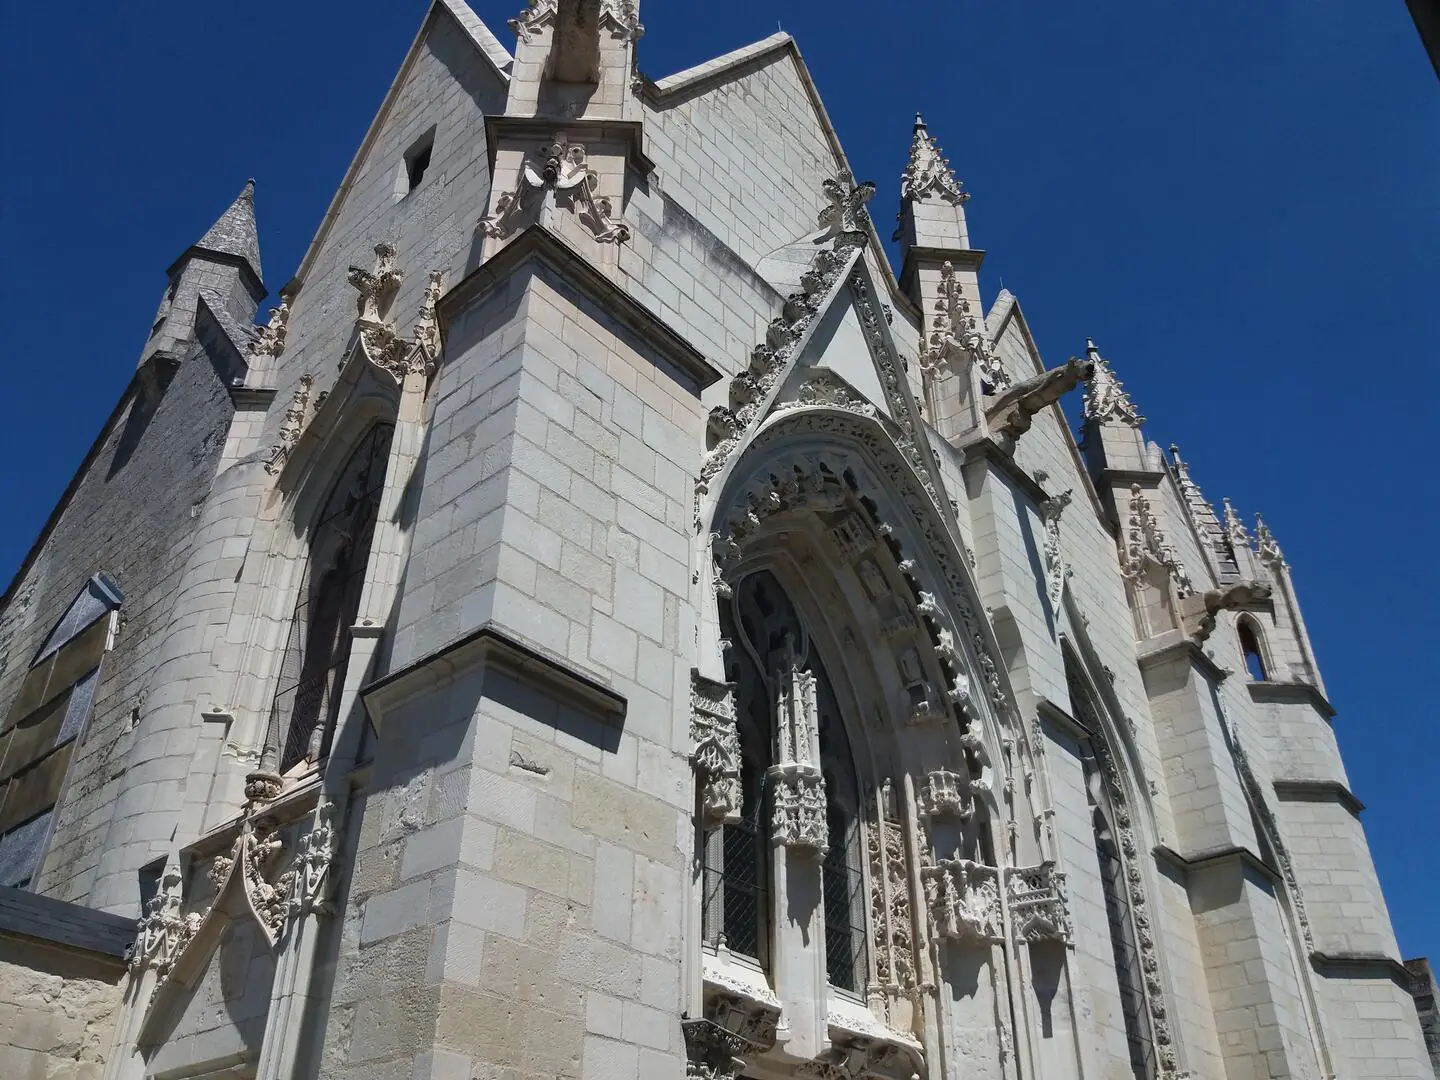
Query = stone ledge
x=1213 y=858
x=538 y=244
x=1361 y=965
x=960 y=258
x=541 y=130
x=1318 y=791
x=493 y=646
x=1291 y=693
x=1173 y=643
x=73 y=926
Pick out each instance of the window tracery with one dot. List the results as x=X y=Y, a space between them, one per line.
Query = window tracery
x=317 y=651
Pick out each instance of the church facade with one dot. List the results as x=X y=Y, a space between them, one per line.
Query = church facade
x=608 y=622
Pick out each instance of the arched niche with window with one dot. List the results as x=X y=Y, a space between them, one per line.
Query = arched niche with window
x=1115 y=850
x=770 y=645
x=1252 y=648
x=306 y=705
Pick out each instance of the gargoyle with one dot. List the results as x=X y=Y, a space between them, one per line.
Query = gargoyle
x=1010 y=416
x=1200 y=610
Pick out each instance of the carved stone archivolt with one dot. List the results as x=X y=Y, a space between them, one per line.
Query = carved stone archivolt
x=1145 y=544
x=715 y=751
x=844 y=220
x=562 y=167
x=1106 y=401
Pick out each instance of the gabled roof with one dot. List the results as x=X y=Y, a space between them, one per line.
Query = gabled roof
x=478 y=34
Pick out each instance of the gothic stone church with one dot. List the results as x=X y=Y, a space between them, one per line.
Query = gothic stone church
x=610 y=623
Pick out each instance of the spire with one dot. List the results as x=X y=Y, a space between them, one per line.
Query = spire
x=1106 y=401
x=234 y=233
x=928 y=170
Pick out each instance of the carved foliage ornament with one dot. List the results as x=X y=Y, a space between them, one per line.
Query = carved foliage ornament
x=890 y=904
x=1235 y=528
x=957 y=338
x=1056 y=572
x=164 y=930
x=928 y=170
x=621 y=16
x=297 y=415
x=562 y=167
x=1145 y=543
x=1266 y=548
x=269 y=340
x=1106 y=401
x=728 y=425
x=715 y=751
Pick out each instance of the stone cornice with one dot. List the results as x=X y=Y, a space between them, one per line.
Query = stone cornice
x=540 y=130
x=959 y=258
x=1291 y=693
x=44 y=919
x=251 y=397
x=1214 y=858
x=491 y=646
x=1318 y=791
x=538 y=244
x=1125 y=477
x=1361 y=965
x=1173 y=643
x=985 y=448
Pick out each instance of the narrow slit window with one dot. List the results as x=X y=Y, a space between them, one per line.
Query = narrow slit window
x=417 y=160
x=1250 y=646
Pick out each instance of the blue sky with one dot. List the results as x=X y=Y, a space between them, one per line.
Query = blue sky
x=1239 y=202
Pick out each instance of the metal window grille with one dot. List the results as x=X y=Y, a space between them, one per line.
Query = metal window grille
x=735 y=906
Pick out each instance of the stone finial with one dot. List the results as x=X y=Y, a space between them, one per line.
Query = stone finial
x=377 y=286
x=929 y=171
x=1106 y=401
x=845 y=219
x=1266 y=548
x=1235 y=528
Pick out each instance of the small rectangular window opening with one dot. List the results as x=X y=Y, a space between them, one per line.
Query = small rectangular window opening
x=417 y=160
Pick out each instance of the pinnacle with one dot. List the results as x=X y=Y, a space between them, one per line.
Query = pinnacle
x=234 y=232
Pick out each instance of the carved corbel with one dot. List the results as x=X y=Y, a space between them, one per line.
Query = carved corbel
x=1010 y=416
x=945 y=794
x=1038 y=907
x=712 y=1052
x=1199 y=611
x=964 y=900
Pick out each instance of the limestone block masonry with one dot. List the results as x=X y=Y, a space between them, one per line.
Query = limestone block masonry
x=604 y=621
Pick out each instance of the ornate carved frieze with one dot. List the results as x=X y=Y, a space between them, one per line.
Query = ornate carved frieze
x=711 y=1051
x=1106 y=401
x=297 y=414
x=798 y=817
x=164 y=930
x=1266 y=549
x=1056 y=572
x=743 y=1014
x=715 y=751
x=562 y=167
x=890 y=909
x=1145 y=543
x=957 y=337
x=620 y=17
x=1038 y=908
x=928 y=171
x=945 y=794
x=964 y=900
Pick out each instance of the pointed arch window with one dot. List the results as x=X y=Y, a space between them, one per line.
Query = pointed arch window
x=1249 y=636
x=767 y=639
x=317 y=651
x=1099 y=778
